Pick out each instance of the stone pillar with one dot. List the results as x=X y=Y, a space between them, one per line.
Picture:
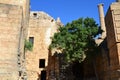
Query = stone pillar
x=102 y=21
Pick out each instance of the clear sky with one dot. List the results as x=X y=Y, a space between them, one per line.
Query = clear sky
x=69 y=10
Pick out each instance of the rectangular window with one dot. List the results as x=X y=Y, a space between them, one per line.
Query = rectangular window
x=31 y=40
x=41 y=63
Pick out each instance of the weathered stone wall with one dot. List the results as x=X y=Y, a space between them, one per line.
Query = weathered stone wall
x=41 y=27
x=112 y=25
x=112 y=20
x=102 y=62
x=14 y=2
x=53 y=66
x=25 y=7
x=10 y=28
x=23 y=3
x=14 y=17
x=107 y=63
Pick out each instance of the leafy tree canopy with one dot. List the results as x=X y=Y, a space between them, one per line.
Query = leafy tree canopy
x=76 y=39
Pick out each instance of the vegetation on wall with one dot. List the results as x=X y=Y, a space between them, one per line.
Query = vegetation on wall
x=28 y=46
x=76 y=39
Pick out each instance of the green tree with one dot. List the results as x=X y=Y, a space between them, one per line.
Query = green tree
x=76 y=39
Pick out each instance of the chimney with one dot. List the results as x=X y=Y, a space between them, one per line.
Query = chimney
x=102 y=21
x=117 y=0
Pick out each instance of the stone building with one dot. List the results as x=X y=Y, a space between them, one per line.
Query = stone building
x=14 y=16
x=14 y=21
x=17 y=23
x=41 y=28
x=107 y=62
x=111 y=56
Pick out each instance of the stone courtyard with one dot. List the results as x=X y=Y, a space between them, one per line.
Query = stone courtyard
x=18 y=23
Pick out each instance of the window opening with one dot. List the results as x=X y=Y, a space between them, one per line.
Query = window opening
x=35 y=14
x=31 y=40
x=42 y=63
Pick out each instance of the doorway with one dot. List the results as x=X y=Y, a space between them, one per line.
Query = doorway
x=78 y=70
x=43 y=75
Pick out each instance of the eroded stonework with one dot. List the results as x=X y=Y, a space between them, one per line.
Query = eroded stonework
x=12 y=35
x=40 y=63
x=41 y=28
x=108 y=62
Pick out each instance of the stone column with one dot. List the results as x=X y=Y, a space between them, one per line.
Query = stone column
x=102 y=21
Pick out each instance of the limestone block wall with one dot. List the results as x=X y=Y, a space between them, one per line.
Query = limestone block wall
x=41 y=28
x=107 y=62
x=26 y=14
x=26 y=10
x=113 y=33
x=112 y=20
x=103 y=64
x=15 y=2
x=10 y=31
x=23 y=3
x=53 y=66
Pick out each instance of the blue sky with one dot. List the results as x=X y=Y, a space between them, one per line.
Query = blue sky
x=69 y=10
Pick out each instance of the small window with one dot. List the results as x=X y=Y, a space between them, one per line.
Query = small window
x=31 y=40
x=35 y=14
x=41 y=63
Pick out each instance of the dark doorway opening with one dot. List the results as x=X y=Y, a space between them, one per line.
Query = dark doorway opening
x=78 y=70
x=43 y=75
